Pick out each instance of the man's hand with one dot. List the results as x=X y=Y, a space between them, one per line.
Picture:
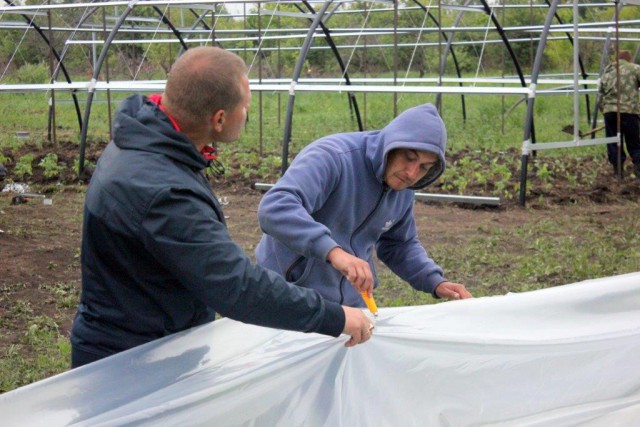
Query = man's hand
x=358 y=325
x=451 y=290
x=356 y=270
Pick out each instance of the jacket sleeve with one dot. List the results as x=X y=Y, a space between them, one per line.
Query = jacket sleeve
x=182 y=230
x=401 y=250
x=285 y=211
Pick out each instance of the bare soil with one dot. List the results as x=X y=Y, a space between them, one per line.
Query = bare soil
x=40 y=244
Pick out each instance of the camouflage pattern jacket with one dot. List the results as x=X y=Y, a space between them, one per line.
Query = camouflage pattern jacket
x=629 y=84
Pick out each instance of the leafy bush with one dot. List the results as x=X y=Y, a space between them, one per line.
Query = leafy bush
x=50 y=166
x=32 y=74
x=23 y=166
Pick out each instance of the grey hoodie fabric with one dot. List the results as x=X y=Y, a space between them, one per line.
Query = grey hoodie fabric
x=333 y=194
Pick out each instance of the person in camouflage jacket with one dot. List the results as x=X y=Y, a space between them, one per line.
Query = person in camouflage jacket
x=629 y=109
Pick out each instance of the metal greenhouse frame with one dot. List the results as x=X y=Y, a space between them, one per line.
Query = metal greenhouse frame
x=112 y=23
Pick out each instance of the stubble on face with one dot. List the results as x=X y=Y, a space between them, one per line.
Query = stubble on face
x=405 y=167
x=235 y=119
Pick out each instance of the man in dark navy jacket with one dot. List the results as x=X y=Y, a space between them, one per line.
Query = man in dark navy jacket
x=156 y=254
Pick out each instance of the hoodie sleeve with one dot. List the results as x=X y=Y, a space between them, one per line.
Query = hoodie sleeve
x=183 y=232
x=286 y=210
x=400 y=249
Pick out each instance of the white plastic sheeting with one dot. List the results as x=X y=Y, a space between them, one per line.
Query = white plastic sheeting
x=562 y=356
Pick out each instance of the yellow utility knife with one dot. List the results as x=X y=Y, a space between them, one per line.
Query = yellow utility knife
x=371 y=303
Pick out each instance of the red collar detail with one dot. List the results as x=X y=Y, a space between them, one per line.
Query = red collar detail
x=208 y=152
x=157 y=99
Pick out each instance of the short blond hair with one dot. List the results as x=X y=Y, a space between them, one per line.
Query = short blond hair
x=202 y=81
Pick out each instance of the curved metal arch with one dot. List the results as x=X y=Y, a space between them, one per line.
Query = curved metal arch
x=58 y=58
x=570 y=38
x=582 y=69
x=502 y=34
x=98 y=68
x=68 y=46
x=512 y=54
x=296 y=75
x=199 y=20
x=528 y=124
x=505 y=40
x=168 y=22
x=62 y=56
x=448 y=48
x=94 y=79
x=353 y=103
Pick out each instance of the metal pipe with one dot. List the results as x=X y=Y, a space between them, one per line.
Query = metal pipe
x=428 y=197
x=294 y=81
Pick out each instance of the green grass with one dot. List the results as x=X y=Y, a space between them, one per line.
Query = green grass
x=495 y=258
x=553 y=251
x=493 y=127
x=42 y=350
x=315 y=115
x=48 y=354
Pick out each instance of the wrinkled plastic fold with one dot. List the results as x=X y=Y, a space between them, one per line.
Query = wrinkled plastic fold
x=561 y=356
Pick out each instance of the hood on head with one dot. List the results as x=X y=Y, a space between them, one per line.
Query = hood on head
x=419 y=128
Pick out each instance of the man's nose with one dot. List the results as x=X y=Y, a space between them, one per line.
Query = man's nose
x=414 y=171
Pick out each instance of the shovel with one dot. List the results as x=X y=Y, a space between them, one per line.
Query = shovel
x=570 y=130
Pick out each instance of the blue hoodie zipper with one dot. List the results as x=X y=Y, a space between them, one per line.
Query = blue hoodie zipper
x=385 y=189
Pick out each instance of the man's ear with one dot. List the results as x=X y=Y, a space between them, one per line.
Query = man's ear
x=218 y=119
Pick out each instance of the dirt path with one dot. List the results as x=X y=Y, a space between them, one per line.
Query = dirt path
x=40 y=244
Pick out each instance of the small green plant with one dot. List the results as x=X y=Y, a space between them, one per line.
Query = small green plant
x=21 y=308
x=545 y=175
x=461 y=183
x=65 y=294
x=23 y=166
x=571 y=179
x=39 y=328
x=87 y=164
x=252 y=165
x=50 y=166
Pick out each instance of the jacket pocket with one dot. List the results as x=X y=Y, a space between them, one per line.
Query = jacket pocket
x=299 y=271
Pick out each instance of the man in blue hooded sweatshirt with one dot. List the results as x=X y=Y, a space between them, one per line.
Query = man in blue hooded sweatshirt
x=349 y=193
